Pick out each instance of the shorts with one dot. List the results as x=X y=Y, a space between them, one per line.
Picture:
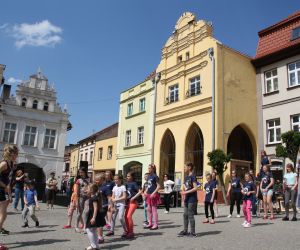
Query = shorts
x=2 y=195
x=268 y=193
x=51 y=195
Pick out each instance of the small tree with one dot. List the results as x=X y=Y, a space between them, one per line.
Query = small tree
x=218 y=160
x=290 y=146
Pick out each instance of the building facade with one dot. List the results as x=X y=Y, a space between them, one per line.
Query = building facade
x=74 y=160
x=105 y=150
x=34 y=121
x=2 y=68
x=277 y=63
x=199 y=75
x=135 y=136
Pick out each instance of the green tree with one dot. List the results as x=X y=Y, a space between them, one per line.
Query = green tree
x=290 y=146
x=218 y=160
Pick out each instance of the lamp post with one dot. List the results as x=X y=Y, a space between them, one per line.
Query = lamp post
x=210 y=52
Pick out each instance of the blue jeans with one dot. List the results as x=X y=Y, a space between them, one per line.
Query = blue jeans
x=254 y=206
x=19 y=194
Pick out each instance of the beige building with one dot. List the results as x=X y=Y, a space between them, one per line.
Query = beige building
x=74 y=160
x=194 y=66
x=2 y=68
x=135 y=140
x=105 y=150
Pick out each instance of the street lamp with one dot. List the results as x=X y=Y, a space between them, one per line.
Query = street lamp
x=210 y=52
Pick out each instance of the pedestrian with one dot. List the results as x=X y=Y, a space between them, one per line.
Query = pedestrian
x=234 y=192
x=10 y=154
x=210 y=191
x=106 y=194
x=190 y=201
x=214 y=178
x=110 y=184
x=118 y=199
x=31 y=203
x=144 y=190
x=152 y=198
x=168 y=192
x=19 y=189
x=248 y=191
x=266 y=187
x=264 y=160
x=94 y=217
x=51 y=185
x=81 y=186
x=290 y=183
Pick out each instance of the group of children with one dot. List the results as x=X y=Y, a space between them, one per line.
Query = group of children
x=101 y=203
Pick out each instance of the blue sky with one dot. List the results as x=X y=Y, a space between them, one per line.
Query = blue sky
x=92 y=50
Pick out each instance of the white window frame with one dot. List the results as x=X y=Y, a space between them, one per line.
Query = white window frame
x=140 y=135
x=130 y=109
x=174 y=93
x=50 y=137
x=109 y=152
x=128 y=138
x=295 y=123
x=142 y=104
x=195 y=82
x=295 y=71
x=10 y=130
x=274 y=128
x=100 y=154
x=272 y=78
x=30 y=133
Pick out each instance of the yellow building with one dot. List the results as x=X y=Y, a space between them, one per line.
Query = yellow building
x=105 y=149
x=192 y=62
x=74 y=163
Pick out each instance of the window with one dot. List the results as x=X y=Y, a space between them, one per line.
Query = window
x=30 y=135
x=179 y=59
x=86 y=157
x=9 y=132
x=187 y=55
x=128 y=138
x=129 y=109
x=109 y=152
x=81 y=157
x=46 y=106
x=141 y=135
x=194 y=88
x=274 y=132
x=294 y=74
x=91 y=157
x=142 y=104
x=295 y=122
x=173 y=93
x=271 y=81
x=24 y=101
x=295 y=33
x=100 y=154
x=50 y=136
x=35 y=104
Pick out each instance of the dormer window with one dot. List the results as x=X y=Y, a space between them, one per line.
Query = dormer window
x=46 y=106
x=24 y=101
x=295 y=33
x=35 y=104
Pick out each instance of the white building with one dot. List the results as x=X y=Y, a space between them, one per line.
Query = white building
x=34 y=121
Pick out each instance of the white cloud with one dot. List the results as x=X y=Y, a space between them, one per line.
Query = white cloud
x=42 y=34
x=13 y=80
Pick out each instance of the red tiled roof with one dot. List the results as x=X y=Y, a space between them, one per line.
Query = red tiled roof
x=152 y=74
x=278 y=36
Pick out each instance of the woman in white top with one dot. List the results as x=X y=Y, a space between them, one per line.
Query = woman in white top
x=118 y=199
x=290 y=191
x=168 y=192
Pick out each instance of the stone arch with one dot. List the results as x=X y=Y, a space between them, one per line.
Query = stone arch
x=135 y=167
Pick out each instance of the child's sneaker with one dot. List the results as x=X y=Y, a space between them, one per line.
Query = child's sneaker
x=244 y=223
x=37 y=224
x=247 y=225
x=146 y=223
x=238 y=216
x=192 y=235
x=25 y=225
x=77 y=230
x=182 y=233
x=4 y=232
x=100 y=240
x=66 y=227
x=229 y=216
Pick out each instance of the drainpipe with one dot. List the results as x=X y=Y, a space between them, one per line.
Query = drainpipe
x=155 y=81
x=212 y=58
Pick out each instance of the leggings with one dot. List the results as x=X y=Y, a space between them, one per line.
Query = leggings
x=235 y=198
x=188 y=216
x=119 y=211
x=152 y=214
x=290 y=195
x=145 y=211
x=93 y=237
x=80 y=210
x=211 y=207
x=247 y=204
x=131 y=207
x=167 y=199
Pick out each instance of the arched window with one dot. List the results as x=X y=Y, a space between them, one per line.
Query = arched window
x=24 y=101
x=46 y=106
x=35 y=104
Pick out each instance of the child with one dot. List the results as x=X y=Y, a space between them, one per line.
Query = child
x=248 y=191
x=94 y=218
x=210 y=189
x=72 y=207
x=31 y=202
x=144 y=199
x=118 y=199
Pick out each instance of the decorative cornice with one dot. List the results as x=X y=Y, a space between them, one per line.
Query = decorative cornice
x=134 y=146
x=137 y=95
x=184 y=116
x=274 y=104
x=185 y=107
x=136 y=114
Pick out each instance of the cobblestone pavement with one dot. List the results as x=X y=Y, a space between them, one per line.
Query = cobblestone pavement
x=225 y=234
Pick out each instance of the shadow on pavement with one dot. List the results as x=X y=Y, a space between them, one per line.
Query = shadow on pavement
x=171 y=226
x=46 y=242
x=262 y=224
x=33 y=232
x=49 y=226
x=115 y=246
x=222 y=221
x=208 y=233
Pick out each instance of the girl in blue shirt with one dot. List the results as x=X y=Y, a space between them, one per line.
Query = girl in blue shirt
x=248 y=191
x=210 y=189
x=266 y=187
x=234 y=192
